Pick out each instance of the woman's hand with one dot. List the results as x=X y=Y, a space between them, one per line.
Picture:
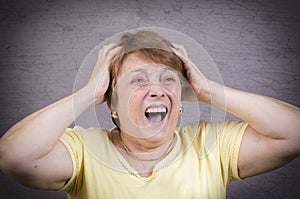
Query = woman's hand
x=196 y=79
x=99 y=80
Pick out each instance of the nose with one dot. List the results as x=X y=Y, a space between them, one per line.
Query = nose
x=156 y=91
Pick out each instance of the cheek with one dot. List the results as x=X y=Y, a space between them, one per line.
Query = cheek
x=130 y=114
x=135 y=104
x=129 y=105
x=176 y=92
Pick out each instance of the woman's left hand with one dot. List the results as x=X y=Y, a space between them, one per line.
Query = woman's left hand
x=197 y=80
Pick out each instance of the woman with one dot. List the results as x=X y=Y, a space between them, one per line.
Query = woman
x=146 y=156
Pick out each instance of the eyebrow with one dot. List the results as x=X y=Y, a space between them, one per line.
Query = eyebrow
x=168 y=68
x=165 y=68
x=138 y=70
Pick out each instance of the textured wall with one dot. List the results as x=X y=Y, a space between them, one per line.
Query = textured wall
x=254 y=43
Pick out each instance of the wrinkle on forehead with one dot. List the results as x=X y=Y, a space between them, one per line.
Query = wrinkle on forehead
x=134 y=61
x=148 y=68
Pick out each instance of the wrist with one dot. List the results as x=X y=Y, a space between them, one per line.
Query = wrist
x=212 y=93
x=89 y=95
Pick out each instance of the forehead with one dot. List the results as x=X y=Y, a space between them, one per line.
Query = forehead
x=132 y=62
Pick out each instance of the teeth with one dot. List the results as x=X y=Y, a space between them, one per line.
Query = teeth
x=156 y=110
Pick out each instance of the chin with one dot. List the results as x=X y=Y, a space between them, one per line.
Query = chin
x=158 y=137
x=162 y=134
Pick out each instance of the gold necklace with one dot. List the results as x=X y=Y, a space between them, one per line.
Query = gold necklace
x=129 y=152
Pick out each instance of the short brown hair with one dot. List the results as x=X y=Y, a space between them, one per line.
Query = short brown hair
x=146 y=45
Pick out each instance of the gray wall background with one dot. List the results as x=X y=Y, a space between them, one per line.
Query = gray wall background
x=256 y=45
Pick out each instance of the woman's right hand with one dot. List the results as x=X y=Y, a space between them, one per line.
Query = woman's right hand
x=99 y=80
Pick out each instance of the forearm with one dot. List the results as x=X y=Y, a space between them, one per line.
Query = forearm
x=268 y=116
x=36 y=135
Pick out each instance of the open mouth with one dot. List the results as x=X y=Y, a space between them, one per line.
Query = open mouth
x=156 y=114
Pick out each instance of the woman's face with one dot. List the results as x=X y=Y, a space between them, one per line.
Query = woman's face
x=148 y=99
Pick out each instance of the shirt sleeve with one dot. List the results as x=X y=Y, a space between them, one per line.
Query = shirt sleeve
x=73 y=142
x=229 y=145
x=226 y=137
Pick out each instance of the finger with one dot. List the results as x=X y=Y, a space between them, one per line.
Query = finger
x=110 y=46
x=186 y=60
x=113 y=51
x=180 y=53
x=104 y=58
x=188 y=64
x=180 y=48
x=107 y=48
x=107 y=54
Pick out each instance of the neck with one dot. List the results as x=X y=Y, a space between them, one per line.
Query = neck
x=146 y=149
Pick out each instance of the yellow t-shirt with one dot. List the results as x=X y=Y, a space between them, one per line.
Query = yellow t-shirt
x=202 y=163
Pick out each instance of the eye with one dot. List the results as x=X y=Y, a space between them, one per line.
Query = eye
x=139 y=81
x=169 y=80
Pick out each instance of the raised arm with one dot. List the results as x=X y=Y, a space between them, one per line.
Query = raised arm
x=273 y=135
x=30 y=151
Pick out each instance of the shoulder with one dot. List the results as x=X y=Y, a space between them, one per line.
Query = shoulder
x=78 y=133
x=209 y=127
x=212 y=133
x=191 y=128
x=80 y=139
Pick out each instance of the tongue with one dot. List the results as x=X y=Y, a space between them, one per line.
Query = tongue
x=154 y=118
